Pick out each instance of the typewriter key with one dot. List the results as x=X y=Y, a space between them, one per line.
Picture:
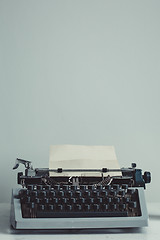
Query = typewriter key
x=116 y=200
x=37 y=200
x=83 y=187
x=99 y=187
x=82 y=200
x=30 y=187
x=50 y=207
x=121 y=192
x=43 y=194
x=31 y=205
x=131 y=191
x=104 y=193
x=73 y=200
x=39 y=187
x=124 y=186
x=78 y=193
x=87 y=207
x=52 y=193
x=95 y=207
x=100 y=200
x=41 y=207
x=91 y=187
x=69 y=207
x=122 y=206
x=48 y=187
x=64 y=200
x=61 y=193
x=66 y=187
x=60 y=207
x=115 y=186
x=132 y=204
x=78 y=207
x=105 y=207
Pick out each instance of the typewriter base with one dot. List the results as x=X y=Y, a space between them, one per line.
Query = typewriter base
x=18 y=222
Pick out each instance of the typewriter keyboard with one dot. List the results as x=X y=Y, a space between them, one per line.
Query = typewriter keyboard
x=46 y=201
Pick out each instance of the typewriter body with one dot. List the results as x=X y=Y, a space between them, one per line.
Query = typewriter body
x=47 y=202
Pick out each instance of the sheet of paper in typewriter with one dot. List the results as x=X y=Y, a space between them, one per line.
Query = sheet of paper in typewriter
x=82 y=157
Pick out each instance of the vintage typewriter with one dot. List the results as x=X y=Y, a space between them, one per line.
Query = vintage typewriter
x=47 y=202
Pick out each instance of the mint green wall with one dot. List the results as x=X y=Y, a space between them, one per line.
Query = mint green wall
x=79 y=72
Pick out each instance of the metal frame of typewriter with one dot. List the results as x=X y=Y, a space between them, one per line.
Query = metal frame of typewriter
x=131 y=175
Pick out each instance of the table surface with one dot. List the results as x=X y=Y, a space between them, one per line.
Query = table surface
x=150 y=232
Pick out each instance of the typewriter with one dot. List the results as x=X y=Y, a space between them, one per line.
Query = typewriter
x=60 y=202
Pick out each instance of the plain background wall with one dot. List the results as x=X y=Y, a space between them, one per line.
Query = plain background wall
x=79 y=72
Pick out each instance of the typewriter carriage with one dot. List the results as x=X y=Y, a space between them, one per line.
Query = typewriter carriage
x=131 y=176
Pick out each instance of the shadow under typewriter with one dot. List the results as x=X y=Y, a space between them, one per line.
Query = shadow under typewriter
x=77 y=231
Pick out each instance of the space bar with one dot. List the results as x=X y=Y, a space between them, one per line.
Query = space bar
x=47 y=214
